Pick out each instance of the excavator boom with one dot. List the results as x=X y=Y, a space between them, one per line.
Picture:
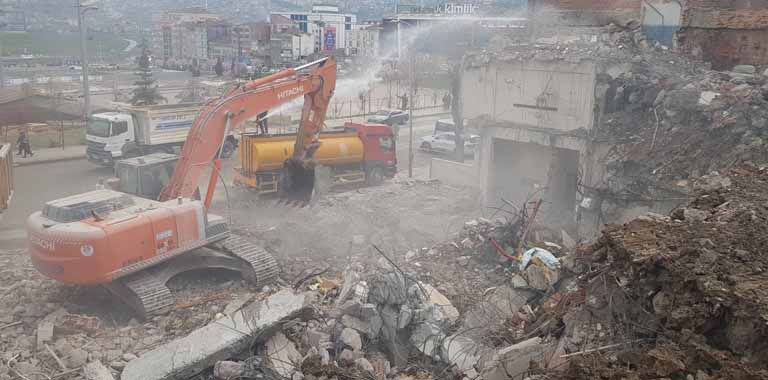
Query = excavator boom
x=246 y=102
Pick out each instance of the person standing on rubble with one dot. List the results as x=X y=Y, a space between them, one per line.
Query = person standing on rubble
x=263 y=127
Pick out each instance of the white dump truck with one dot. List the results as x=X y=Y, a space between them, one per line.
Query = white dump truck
x=137 y=131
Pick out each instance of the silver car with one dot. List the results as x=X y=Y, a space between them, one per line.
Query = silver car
x=445 y=142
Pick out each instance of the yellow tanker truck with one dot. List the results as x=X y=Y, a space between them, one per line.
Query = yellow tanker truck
x=360 y=153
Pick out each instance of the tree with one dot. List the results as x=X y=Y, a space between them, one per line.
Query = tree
x=146 y=91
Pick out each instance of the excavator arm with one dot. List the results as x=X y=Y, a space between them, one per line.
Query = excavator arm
x=315 y=81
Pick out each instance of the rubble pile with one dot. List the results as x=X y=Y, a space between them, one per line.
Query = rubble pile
x=686 y=292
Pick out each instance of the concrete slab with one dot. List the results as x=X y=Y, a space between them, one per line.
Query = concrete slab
x=282 y=355
x=97 y=371
x=219 y=340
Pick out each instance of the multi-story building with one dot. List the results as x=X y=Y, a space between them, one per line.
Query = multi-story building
x=182 y=35
x=330 y=29
x=366 y=40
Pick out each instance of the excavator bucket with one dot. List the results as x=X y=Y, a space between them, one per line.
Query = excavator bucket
x=298 y=181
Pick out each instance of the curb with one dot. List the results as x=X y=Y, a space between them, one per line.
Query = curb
x=48 y=161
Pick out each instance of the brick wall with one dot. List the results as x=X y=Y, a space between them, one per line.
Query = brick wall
x=725 y=48
x=727 y=4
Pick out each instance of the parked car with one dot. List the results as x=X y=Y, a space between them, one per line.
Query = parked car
x=389 y=117
x=445 y=142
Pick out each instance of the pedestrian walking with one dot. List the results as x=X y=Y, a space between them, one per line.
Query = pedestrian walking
x=404 y=102
x=447 y=101
x=24 y=148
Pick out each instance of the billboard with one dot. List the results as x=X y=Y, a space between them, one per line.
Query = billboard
x=329 y=38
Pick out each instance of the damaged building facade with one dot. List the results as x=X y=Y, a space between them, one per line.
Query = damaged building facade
x=545 y=134
x=534 y=118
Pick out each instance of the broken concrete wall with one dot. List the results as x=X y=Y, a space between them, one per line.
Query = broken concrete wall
x=584 y=12
x=556 y=95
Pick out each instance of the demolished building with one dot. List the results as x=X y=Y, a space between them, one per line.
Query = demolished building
x=605 y=127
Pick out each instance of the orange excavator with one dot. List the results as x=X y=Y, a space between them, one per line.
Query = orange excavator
x=134 y=245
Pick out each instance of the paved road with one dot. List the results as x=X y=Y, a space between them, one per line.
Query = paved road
x=36 y=184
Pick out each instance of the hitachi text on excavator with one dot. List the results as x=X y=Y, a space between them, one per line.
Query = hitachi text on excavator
x=133 y=245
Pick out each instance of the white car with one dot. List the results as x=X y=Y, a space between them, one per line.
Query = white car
x=445 y=142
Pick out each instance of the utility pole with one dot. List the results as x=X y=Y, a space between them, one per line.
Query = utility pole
x=81 y=9
x=410 y=114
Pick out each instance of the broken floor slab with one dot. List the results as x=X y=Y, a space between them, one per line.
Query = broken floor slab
x=184 y=357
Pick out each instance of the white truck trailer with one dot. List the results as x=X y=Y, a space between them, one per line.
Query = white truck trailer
x=138 y=131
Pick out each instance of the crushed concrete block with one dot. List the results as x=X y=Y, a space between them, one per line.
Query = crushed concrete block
x=441 y=303
x=745 y=69
x=325 y=356
x=370 y=328
x=501 y=304
x=707 y=97
x=463 y=352
x=694 y=215
x=76 y=358
x=224 y=370
x=346 y=356
x=519 y=282
x=351 y=339
x=281 y=355
x=405 y=317
x=97 y=371
x=297 y=376
x=44 y=332
x=219 y=340
x=510 y=362
x=364 y=365
x=426 y=337
x=351 y=279
x=317 y=339
x=129 y=356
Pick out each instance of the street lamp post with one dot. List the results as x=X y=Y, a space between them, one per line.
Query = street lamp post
x=82 y=7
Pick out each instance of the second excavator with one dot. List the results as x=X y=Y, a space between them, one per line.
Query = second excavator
x=133 y=245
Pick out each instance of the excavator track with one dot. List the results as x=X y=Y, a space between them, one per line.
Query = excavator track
x=146 y=291
x=265 y=269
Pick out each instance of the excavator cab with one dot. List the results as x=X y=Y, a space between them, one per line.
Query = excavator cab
x=144 y=176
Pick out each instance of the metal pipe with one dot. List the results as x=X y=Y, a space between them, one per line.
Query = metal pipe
x=84 y=59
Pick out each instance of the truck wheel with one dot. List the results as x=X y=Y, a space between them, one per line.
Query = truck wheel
x=426 y=146
x=375 y=177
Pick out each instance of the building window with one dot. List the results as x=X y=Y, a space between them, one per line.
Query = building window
x=347 y=26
